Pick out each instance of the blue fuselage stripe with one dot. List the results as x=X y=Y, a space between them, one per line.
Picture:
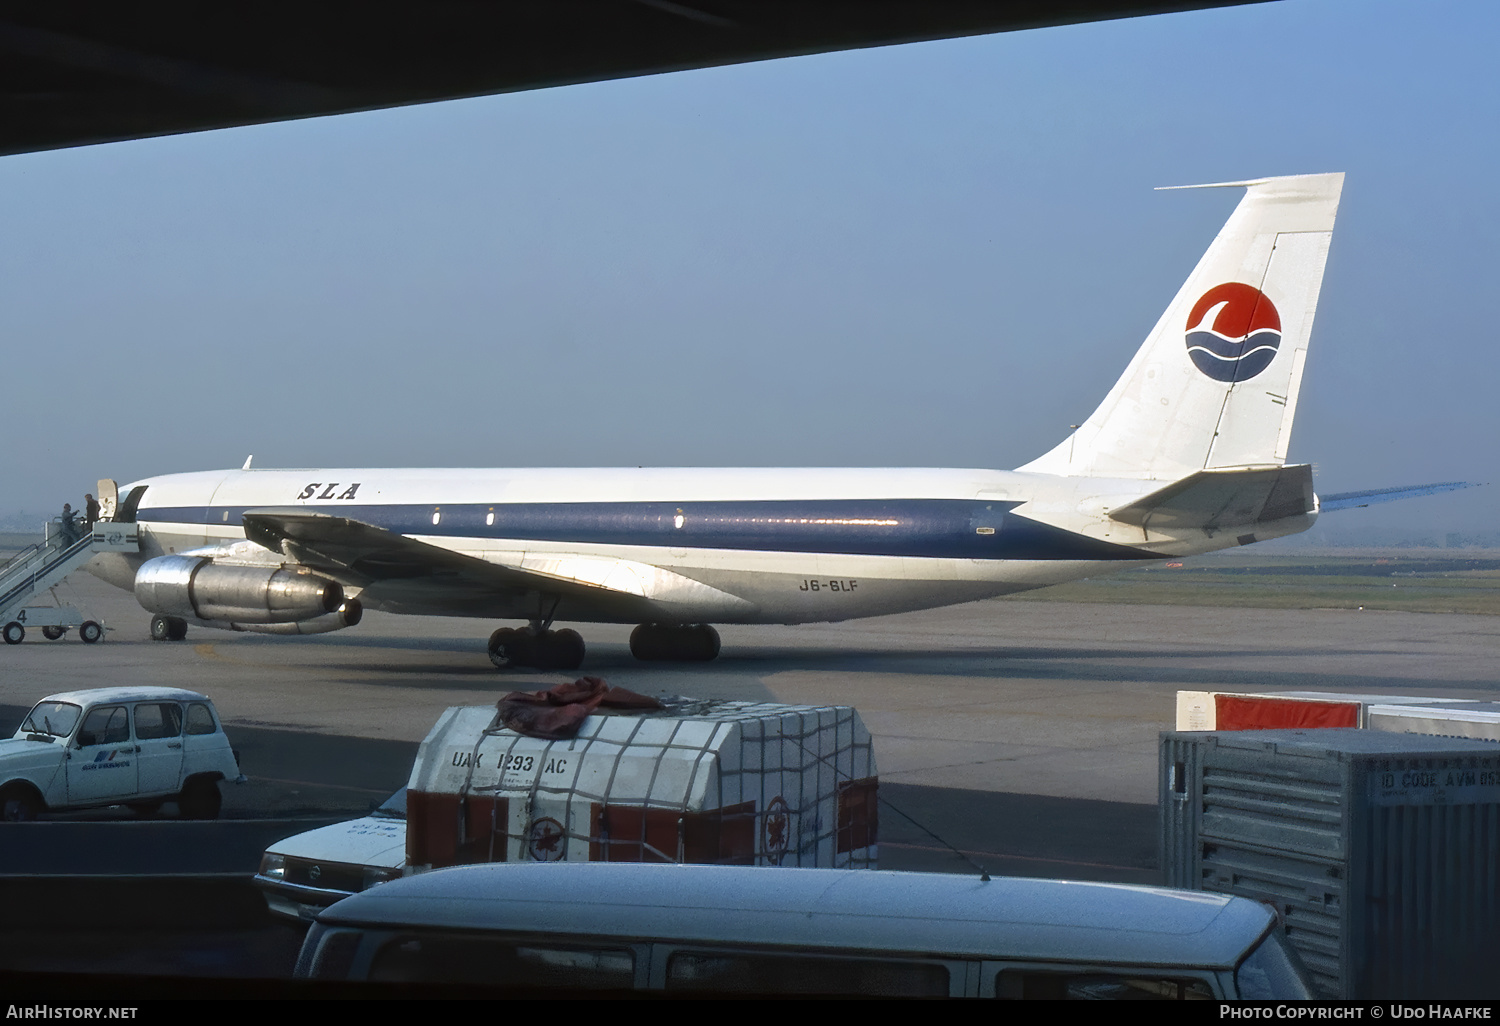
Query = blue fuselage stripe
x=949 y=528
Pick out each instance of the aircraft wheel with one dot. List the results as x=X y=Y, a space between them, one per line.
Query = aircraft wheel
x=564 y=649
x=645 y=643
x=665 y=642
x=161 y=628
x=14 y=633
x=90 y=632
x=707 y=642
x=509 y=648
x=176 y=628
x=52 y=633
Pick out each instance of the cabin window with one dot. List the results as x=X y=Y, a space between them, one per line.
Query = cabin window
x=502 y=962
x=779 y=973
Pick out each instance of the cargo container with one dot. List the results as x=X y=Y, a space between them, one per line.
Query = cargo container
x=1444 y=717
x=1380 y=850
x=743 y=783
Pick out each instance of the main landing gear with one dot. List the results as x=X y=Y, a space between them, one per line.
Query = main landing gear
x=674 y=642
x=537 y=648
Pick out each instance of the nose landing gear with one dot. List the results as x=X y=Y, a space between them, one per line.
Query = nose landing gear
x=168 y=628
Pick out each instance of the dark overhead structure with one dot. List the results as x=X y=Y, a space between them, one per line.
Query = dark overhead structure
x=72 y=73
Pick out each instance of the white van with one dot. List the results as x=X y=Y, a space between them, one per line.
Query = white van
x=767 y=930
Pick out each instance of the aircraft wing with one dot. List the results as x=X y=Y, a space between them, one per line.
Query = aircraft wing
x=361 y=554
x=1358 y=500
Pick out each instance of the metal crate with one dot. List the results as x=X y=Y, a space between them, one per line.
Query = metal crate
x=1380 y=850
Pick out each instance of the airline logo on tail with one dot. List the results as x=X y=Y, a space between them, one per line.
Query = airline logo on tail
x=1233 y=332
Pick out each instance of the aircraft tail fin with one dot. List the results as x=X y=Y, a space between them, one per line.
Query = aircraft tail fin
x=1215 y=384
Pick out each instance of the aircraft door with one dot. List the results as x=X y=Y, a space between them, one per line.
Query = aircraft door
x=108 y=495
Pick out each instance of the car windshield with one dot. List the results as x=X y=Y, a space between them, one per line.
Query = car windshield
x=393 y=807
x=55 y=718
x=1271 y=972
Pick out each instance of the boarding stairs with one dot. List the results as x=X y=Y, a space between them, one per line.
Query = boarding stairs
x=40 y=568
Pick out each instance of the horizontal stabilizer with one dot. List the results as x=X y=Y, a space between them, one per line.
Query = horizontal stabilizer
x=1358 y=500
x=1216 y=499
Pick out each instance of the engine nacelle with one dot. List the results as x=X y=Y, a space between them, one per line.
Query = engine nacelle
x=346 y=615
x=197 y=588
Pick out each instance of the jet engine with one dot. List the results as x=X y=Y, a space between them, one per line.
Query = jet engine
x=346 y=615
x=197 y=588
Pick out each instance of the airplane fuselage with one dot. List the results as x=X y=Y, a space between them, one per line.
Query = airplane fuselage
x=699 y=545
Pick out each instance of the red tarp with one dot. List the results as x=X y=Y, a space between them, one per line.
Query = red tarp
x=557 y=713
x=1237 y=712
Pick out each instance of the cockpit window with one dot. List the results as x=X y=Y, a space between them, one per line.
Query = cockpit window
x=55 y=718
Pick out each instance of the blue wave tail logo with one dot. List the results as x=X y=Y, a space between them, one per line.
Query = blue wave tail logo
x=1233 y=332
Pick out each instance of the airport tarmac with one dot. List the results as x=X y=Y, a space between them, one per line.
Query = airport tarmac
x=1035 y=698
x=1020 y=734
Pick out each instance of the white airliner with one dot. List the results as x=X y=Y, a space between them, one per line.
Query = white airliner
x=1186 y=454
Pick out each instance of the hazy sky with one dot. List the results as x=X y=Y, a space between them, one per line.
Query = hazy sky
x=939 y=254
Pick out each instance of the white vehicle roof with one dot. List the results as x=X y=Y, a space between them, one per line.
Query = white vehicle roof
x=125 y=694
x=940 y=914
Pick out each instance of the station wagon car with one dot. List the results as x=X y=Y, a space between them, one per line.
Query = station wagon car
x=133 y=746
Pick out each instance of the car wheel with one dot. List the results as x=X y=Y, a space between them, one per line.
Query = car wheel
x=52 y=633
x=14 y=633
x=200 y=799
x=90 y=631
x=18 y=805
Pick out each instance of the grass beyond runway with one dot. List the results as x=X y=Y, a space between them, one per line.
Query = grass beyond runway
x=1420 y=581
